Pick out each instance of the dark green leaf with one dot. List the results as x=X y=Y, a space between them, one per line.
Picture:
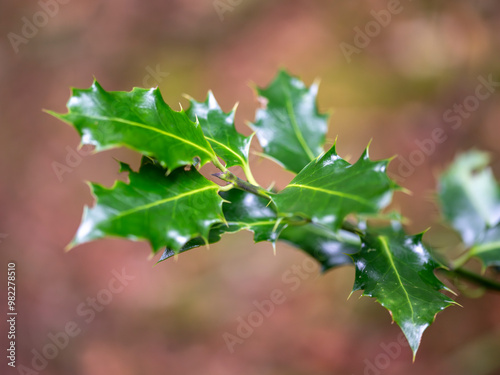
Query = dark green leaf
x=398 y=271
x=242 y=210
x=250 y=212
x=140 y=120
x=470 y=196
x=247 y=211
x=289 y=127
x=165 y=210
x=328 y=248
x=329 y=188
x=214 y=236
x=219 y=130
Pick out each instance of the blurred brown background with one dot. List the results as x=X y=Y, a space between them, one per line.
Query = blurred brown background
x=397 y=88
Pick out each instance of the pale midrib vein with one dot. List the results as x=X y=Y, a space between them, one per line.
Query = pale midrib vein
x=479 y=249
x=385 y=247
x=256 y=223
x=139 y=125
x=160 y=202
x=296 y=129
x=331 y=192
x=243 y=161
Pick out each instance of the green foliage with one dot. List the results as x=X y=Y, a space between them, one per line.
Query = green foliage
x=329 y=188
x=470 y=200
x=243 y=210
x=139 y=120
x=219 y=130
x=488 y=249
x=165 y=210
x=397 y=270
x=288 y=126
x=323 y=211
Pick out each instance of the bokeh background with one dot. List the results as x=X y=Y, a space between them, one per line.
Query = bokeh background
x=171 y=318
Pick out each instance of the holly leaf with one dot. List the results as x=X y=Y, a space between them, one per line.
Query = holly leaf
x=398 y=271
x=166 y=210
x=329 y=249
x=214 y=236
x=289 y=127
x=246 y=211
x=253 y=213
x=242 y=211
x=139 y=120
x=470 y=197
x=219 y=130
x=329 y=188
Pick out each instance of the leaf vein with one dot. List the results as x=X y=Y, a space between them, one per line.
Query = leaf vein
x=147 y=127
x=296 y=129
x=332 y=192
x=385 y=247
x=162 y=201
x=227 y=148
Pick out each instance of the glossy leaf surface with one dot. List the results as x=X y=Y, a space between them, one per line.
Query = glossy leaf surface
x=250 y=212
x=178 y=209
x=139 y=120
x=289 y=127
x=328 y=248
x=329 y=188
x=164 y=210
x=214 y=236
x=242 y=210
x=247 y=211
x=219 y=130
x=398 y=271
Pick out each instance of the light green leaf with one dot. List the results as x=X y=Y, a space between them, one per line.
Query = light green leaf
x=164 y=210
x=219 y=130
x=470 y=199
x=470 y=196
x=139 y=120
x=488 y=249
x=329 y=188
x=398 y=271
x=289 y=127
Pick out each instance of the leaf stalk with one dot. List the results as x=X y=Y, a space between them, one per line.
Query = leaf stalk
x=248 y=174
x=242 y=184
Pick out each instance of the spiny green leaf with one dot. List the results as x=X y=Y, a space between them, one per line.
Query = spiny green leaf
x=328 y=248
x=139 y=120
x=398 y=271
x=165 y=210
x=470 y=196
x=329 y=188
x=250 y=212
x=214 y=236
x=219 y=130
x=243 y=210
x=289 y=127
